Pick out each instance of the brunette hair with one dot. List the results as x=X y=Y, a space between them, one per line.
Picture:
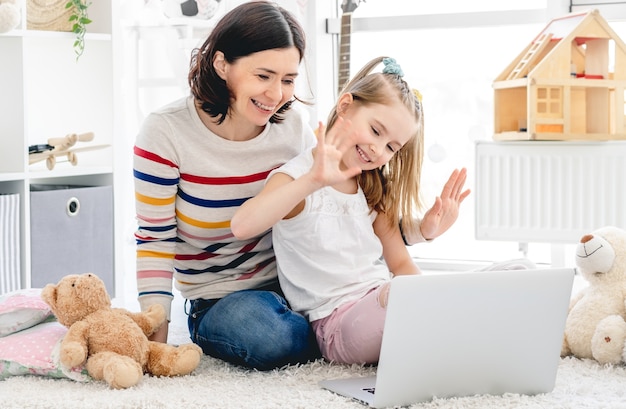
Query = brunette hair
x=249 y=28
x=393 y=189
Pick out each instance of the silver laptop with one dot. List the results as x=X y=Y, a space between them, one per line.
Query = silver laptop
x=469 y=333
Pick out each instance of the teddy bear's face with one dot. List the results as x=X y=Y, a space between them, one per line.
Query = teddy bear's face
x=601 y=256
x=75 y=297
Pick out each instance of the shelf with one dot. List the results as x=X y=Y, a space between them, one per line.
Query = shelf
x=55 y=34
x=11 y=176
x=49 y=93
x=71 y=171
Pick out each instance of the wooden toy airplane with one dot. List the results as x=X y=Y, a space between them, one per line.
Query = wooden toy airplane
x=63 y=147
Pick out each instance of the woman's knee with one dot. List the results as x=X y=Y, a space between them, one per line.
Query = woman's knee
x=259 y=329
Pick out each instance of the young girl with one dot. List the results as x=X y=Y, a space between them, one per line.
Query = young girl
x=335 y=210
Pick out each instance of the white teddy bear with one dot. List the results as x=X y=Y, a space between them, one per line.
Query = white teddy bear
x=596 y=326
x=9 y=15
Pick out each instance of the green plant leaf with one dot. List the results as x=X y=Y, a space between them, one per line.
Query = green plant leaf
x=81 y=19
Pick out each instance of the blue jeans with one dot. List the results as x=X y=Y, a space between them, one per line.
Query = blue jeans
x=252 y=328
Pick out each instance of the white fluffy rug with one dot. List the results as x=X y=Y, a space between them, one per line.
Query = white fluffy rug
x=215 y=384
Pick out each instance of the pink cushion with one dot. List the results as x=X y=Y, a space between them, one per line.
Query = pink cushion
x=35 y=351
x=22 y=309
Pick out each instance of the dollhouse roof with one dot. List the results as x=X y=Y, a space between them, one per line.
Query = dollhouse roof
x=563 y=26
x=575 y=28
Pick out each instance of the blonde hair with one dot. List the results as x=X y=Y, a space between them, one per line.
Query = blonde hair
x=393 y=189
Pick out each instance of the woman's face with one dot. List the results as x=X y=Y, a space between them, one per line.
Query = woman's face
x=260 y=83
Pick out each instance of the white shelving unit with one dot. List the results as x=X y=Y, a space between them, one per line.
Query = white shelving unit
x=46 y=92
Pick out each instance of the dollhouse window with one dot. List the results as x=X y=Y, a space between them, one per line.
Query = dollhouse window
x=549 y=101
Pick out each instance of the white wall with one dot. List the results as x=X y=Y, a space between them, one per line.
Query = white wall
x=452 y=58
x=452 y=66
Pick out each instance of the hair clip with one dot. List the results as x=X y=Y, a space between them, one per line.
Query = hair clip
x=392 y=67
x=417 y=94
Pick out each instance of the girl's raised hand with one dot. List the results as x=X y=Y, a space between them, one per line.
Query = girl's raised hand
x=328 y=167
x=444 y=212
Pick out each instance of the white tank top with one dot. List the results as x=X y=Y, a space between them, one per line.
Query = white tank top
x=329 y=254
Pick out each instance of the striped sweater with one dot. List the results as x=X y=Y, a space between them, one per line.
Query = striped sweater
x=188 y=184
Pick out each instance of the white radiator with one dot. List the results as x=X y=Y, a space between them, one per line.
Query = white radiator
x=550 y=192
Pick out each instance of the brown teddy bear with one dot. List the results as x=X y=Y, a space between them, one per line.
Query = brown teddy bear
x=596 y=326
x=112 y=342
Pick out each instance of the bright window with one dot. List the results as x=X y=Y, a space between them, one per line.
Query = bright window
x=454 y=69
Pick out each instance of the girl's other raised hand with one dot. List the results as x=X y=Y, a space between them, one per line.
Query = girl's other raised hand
x=444 y=212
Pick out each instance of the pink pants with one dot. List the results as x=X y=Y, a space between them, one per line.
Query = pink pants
x=353 y=333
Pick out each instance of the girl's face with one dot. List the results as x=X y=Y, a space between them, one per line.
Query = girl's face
x=379 y=131
x=260 y=83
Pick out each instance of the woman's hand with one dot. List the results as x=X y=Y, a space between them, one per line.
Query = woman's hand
x=444 y=212
x=160 y=335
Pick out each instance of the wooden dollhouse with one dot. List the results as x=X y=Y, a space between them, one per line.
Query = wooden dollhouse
x=568 y=84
